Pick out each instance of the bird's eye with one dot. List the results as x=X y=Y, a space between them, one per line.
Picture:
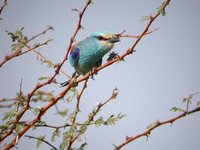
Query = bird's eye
x=101 y=38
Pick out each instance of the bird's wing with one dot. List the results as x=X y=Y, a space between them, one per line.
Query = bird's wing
x=98 y=63
x=74 y=56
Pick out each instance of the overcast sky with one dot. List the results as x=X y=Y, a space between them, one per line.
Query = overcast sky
x=164 y=69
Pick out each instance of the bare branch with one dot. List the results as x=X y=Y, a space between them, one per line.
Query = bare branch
x=48 y=143
x=79 y=95
x=38 y=86
x=3 y=6
x=131 y=49
x=137 y=36
x=156 y=125
x=20 y=95
x=91 y=117
x=19 y=52
x=46 y=59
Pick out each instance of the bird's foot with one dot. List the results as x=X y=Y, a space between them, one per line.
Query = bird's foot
x=112 y=56
x=74 y=82
x=93 y=72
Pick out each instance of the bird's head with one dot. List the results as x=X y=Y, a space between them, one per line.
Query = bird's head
x=105 y=38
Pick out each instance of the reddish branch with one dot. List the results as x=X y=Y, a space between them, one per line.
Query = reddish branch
x=79 y=95
x=12 y=100
x=38 y=86
x=131 y=49
x=42 y=33
x=156 y=125
x=47 y=60
x=19 y=52
x=7 y=105
x=55 y=99
x=91 y=118
x=137 y=36
x=71 y=141
x=62 y=94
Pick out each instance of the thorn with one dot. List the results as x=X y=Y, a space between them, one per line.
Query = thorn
x=115 y=146
x=82 y=27
x=127 y=138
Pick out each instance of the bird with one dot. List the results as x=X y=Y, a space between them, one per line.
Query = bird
x=88 y=53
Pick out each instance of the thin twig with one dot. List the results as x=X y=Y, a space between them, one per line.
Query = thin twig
x=91 y=118
x=71 y=141
x=46 y=59
x=62 y=126
x=38 y=86
x=3 y=6
x=7 y=105
x=48 y=143
x=130 y=50
x=19 y=52
x=20 y=95
x=7 y=99
x=41 y=33
x=79 y=95
x=137 y=36
x=61 y=95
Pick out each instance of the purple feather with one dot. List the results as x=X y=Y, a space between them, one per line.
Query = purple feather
x=75 y=53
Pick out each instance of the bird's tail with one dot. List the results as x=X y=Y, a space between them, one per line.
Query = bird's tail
x=64 y=83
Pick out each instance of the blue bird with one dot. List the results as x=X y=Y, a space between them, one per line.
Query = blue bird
x=88 y=54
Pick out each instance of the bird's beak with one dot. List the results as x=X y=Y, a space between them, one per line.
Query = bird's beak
x=114 y=39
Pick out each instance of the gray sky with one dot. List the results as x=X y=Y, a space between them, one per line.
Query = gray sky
x=164 y=69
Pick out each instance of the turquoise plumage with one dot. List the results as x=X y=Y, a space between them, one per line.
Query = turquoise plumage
x=88 y=54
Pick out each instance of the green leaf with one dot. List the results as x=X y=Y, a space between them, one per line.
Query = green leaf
x=82 y=147
x=99 y=121
x=40 y=140
x=19 y=126
x=83 y=128
x=56 y=133
x=63 y=113
x=188 y=99
x=145 y=18
x=41 y=123
x=43 y=78
x=21 y=40
x=164 y=13
x=4 y=129
x=177 y=109
x=113 y=119
x=161 y=10
x=198 y=104
x=36 y=111
x=10 y=115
